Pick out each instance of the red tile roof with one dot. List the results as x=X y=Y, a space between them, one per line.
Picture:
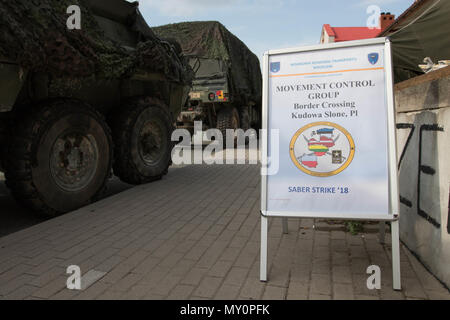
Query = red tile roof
x=329 y=30
x=351 y=33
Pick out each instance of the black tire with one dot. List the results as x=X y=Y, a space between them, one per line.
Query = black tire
x=245 y=119
x=256 y=122
x=228 y=118
x=245 y=122
x=4 y=125
x=142 y=132
x=59 y=158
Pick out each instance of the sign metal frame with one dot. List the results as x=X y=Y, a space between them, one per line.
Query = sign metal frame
x=394 y=204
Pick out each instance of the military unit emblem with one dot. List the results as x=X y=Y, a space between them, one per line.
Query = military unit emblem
x=275 y=67
x=322 y=149
x=373 y=58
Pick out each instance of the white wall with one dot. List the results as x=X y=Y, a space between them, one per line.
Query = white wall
x=325 y=38
x=423 y=134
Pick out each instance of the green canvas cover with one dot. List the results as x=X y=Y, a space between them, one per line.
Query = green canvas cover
x=426 y=36
x=211 y=40
x=34 y=34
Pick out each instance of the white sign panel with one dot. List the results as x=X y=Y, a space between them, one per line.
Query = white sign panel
x=335 y=123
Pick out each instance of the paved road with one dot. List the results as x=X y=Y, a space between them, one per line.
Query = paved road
x=195 y=235
x=14 y=217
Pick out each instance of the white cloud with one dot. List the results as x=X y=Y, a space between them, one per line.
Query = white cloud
x=185 y=8
x=380 y=3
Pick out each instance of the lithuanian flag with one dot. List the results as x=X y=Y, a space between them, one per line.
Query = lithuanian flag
x=317 y=148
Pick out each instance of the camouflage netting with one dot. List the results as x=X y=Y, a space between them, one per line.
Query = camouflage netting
x=35 y=35
x=210 y=39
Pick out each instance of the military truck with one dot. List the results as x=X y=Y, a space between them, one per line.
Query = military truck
x=76 y=103
x=227 y=89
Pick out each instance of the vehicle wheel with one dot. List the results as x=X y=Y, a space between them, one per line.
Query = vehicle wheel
x=59 y=158
x=245 y=119
x=245 y=122
x=3 y=140
x=256 y=121
x=142 y=133
x=228 y=118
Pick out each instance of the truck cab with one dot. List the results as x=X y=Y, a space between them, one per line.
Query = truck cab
x=208 y=94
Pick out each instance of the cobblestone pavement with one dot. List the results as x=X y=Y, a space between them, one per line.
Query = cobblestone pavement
x=195 y=235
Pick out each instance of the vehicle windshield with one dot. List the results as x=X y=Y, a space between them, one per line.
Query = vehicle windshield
x=207 y=68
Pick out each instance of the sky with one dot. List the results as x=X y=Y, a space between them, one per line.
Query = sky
x=270 y=24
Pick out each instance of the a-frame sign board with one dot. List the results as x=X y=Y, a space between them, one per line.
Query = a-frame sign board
x=329 y=148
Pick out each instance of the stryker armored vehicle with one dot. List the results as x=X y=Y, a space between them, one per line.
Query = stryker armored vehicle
x=227 y=89
x=76 y=103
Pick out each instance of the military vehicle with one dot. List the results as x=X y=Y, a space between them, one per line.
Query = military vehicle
x=76 y=103
x=227 y=89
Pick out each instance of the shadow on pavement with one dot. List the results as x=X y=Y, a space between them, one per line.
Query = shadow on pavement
x=14 y=217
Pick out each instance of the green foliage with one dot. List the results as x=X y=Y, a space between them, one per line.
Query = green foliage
x=354 y=227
